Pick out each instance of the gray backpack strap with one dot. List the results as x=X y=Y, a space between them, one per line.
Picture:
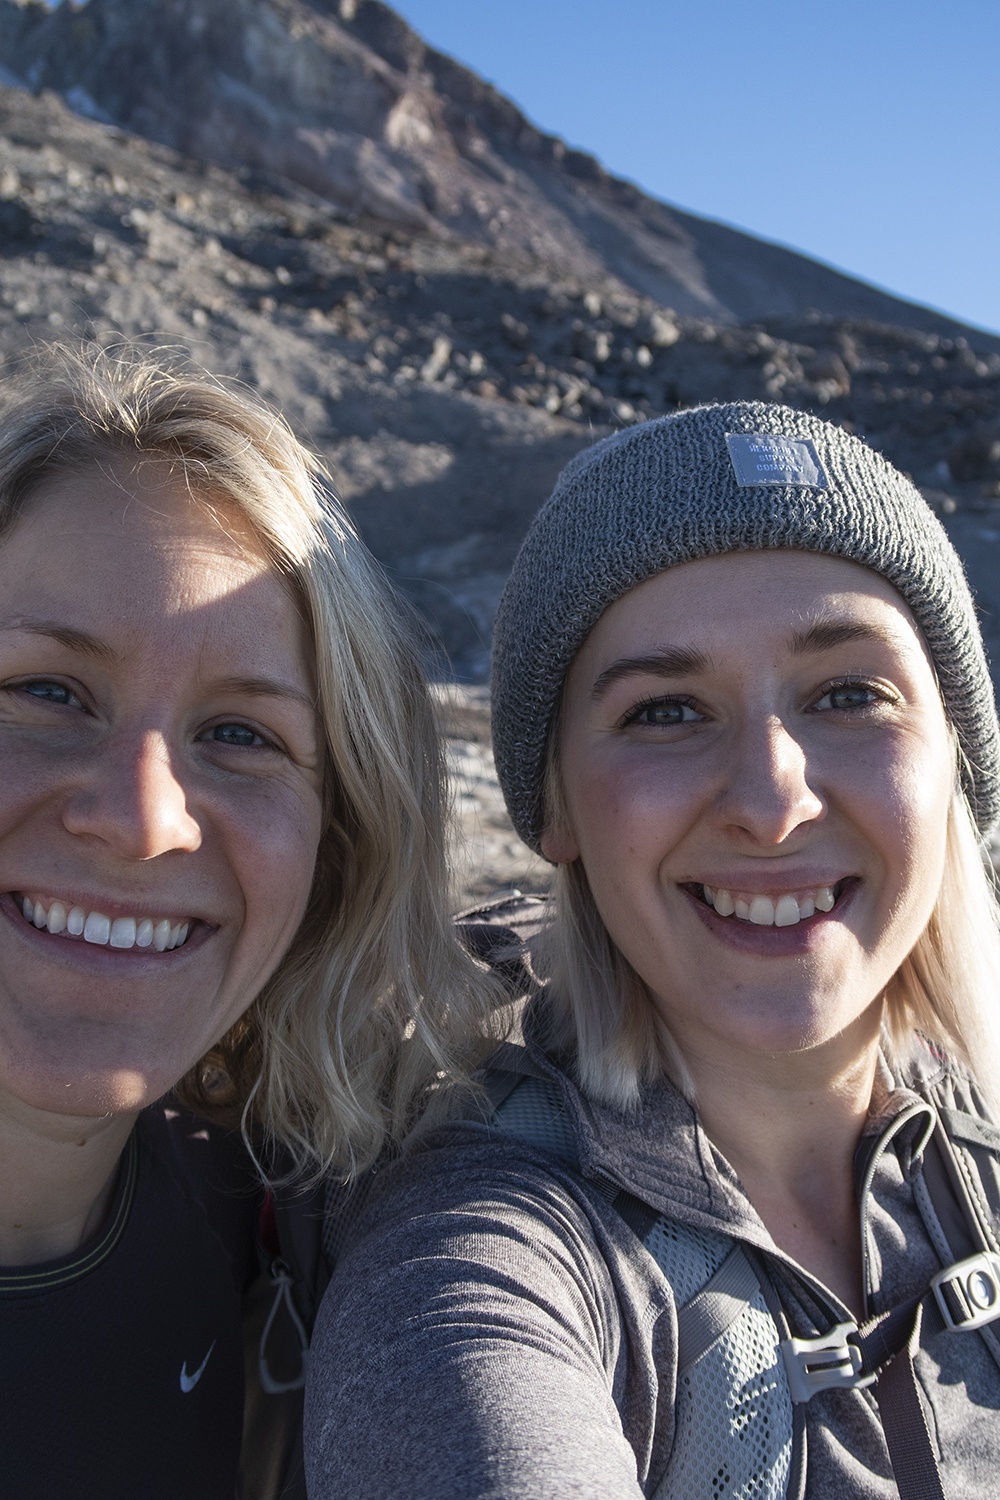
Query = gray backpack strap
x=532 y=1109
x=712 y=1311
x=948 y=1192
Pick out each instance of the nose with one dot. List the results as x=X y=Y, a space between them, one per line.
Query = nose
x=769 y=792
x=133 y=801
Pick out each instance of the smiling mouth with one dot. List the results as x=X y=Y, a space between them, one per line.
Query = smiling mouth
x=160 y=934
x=784 y=910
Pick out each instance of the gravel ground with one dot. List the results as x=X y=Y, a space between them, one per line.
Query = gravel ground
x=488 y=858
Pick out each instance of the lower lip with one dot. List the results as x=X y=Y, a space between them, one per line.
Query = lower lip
x=772 y=942
x=77 y=953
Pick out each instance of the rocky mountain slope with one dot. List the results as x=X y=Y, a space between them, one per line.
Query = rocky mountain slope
x=344 y=99
x=446 y=303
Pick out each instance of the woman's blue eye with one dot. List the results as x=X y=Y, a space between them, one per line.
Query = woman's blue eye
x=49 y=692
x=239 y=735
x=660 y=713
x=845 y=696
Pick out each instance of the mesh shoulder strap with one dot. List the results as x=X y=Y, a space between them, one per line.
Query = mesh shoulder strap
x=534 y=1112
x=733 y=1412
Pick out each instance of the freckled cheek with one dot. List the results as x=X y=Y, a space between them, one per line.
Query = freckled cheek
x=903 y=805
x=273 y=852
x=624 y=806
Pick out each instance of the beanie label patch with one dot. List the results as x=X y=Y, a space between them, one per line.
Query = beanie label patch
x=765 y=458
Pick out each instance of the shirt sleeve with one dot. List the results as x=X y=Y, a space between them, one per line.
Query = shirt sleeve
x=468 y=1346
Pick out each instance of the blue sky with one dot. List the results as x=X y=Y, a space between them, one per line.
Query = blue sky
x=863 y=132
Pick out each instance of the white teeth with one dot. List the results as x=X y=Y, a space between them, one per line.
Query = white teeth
x=786 y=912
x=724 y=903
x=767 y=911
x=94 y=927
x=97 y=929
x=762 y=911
x=123 y=932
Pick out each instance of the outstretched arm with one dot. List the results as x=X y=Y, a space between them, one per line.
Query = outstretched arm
x=468 y=1347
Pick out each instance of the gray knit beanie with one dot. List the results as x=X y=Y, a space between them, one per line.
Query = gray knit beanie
x=733 y=478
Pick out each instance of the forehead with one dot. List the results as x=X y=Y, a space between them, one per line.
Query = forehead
x=747 y=598
x=121 y=520
x=128 y=550
x=147 y=497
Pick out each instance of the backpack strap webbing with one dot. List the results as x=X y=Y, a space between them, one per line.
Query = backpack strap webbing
x=904 y=1424
x=712 y=1311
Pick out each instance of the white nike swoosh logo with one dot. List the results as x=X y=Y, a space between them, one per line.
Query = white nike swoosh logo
x=188 y=1382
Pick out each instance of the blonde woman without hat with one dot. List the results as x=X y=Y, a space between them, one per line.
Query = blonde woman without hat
x=731 y=1228
x=220 y=837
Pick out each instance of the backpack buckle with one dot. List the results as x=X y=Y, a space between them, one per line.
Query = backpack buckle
x=968 y=1293
x=830 y=1362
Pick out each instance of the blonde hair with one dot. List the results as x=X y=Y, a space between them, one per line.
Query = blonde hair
x=947 y=989
x=374 y=1002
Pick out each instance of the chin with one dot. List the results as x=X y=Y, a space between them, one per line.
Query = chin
x=93 y=1093
x=761 y=1026
x=124 y=1091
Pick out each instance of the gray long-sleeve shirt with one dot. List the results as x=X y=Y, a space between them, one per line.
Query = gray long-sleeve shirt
x=497 y=1332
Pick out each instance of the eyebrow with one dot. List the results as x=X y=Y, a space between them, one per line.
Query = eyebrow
x=669 y=661
x=92 y=646
x=265 y=687
x=825 y=634
x=685 y=661
x=67 y=635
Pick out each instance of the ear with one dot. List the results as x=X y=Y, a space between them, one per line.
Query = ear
x=559 y=844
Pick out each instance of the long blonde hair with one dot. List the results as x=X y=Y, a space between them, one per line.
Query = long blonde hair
x=374 y=1002
x=946 y=990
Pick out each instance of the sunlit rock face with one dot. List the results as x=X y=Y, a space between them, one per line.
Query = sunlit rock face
x=346 y=100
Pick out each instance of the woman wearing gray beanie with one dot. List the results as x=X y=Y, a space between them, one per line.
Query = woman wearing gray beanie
x=729 y=1222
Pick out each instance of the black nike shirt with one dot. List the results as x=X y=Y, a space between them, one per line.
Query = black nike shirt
x=121 y=1366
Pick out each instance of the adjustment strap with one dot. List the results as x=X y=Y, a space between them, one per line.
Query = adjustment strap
x=847 y=1357
x=904 y=1424
x=880 y=1339
x=880 y=1353
x=715 y=1308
